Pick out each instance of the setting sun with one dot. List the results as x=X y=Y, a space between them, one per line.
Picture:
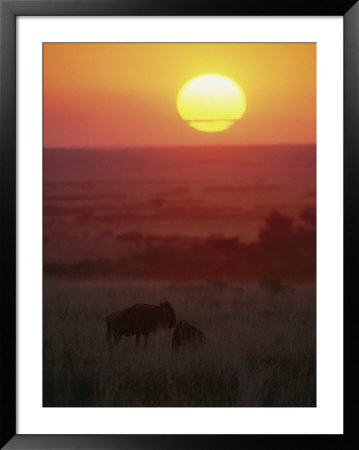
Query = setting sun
x=211 y=102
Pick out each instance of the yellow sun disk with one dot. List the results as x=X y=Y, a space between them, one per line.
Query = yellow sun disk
x=211 y=103
x=211 y=126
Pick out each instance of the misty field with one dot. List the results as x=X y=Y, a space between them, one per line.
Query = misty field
x=260 y=349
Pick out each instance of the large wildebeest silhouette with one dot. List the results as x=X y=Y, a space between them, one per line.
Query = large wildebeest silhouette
x=140 y=319
x=186 y=335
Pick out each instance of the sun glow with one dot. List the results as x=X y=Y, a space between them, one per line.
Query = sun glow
x=211 y=103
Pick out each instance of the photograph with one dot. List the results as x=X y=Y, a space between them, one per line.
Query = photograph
x=179 y=224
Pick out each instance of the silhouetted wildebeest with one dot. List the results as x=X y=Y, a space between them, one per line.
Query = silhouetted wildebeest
x=186 y=335
x=140 y=319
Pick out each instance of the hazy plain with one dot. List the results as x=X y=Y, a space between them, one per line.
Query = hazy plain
x=95 y=198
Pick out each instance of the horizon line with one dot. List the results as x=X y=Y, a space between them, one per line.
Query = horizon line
x=164 y=147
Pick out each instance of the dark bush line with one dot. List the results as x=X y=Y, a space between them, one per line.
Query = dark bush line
x=282 y=251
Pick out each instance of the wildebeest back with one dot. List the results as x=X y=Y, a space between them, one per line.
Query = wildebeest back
x=185 y=335
x=140 y=319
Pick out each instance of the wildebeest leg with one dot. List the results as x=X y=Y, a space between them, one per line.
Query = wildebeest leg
x=108 y=337
x=146 y=339
x=137 y=339
x=116 y=338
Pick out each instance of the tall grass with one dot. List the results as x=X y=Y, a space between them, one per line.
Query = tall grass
x=260 y=347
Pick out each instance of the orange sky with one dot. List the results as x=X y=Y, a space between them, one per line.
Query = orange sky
x=125 y=94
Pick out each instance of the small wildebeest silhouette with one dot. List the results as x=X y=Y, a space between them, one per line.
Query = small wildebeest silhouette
x=186 y=335
x=140 y=319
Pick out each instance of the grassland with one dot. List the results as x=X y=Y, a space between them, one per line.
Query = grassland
x=260 y=349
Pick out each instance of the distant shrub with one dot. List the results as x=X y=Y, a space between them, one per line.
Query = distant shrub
x=309 y=216
x=273 y=285
x=218 y=284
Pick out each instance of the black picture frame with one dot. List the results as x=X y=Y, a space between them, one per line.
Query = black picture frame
x=9 y=10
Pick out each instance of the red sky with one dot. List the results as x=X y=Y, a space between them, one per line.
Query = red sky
x=125 y=94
